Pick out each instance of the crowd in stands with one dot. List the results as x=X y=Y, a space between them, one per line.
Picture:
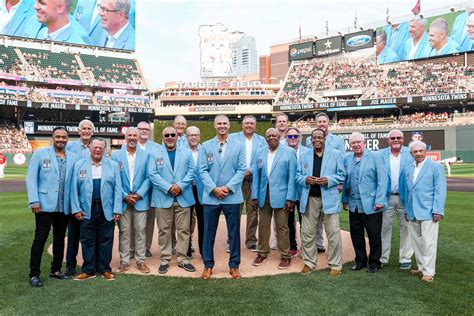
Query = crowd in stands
x=47 y=67
x=192 y=104
x=395 y=80
x=13 y=139
x=418 y=119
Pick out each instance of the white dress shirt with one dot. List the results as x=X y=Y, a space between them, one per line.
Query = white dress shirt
x=417 y=170
x=395 y=162
x=5 y=15
x=248 y=151
x=131 y=166
x=270 y=158
x=111 y=39
x=96 y=170
x=53 y=36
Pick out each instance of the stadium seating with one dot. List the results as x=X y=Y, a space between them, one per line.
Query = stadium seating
x=111 y=69
x=13 y=139
x=9 y=61
x=52 y=65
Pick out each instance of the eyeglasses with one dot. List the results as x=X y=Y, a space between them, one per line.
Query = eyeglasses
x=103 y=9
x=170 y=135
x=143 y=129
x=292 y=136
x=396 y=138
x=221 y=145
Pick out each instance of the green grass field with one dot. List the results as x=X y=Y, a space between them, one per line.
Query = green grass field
x=391 y=291
x=465 y=170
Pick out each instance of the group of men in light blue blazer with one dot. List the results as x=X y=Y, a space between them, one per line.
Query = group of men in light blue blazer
x=415 y=39
x=103 y=23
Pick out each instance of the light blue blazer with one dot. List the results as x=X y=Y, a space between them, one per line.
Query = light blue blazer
x=42 y=181
x=450 y=48
x=141 y=181
x=406 y=160
x=331 y=141
x=387 y=55
x=397 y=42
x=463 y=40
x=126 y=40
x=372 y=180
x=162 y=176
x=77 y=148
x=257 y=142
x=281 y=181
x=332 y=167
x=110 y=188
x=427 y=196
x=83 y=15
x=227 y=171
x=17 y=24
x=302 y=150
x=422 y=51
x=197 y=180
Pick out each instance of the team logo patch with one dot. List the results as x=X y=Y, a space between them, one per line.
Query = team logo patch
x=46 y=163
x=79 y=11
x=82 y=174
x=120 y=165
x=260 y=163
x=210 y=157
x=160 y=162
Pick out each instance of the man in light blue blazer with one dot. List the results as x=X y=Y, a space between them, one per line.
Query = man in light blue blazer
x=319 y=173
x=48 y=185
x=385 y=54
x=330 y=141
x=17 y=23
x=365 y=195
x=133 y=165
x=119 y=33
x=274 y=193
x=252 y=142
x=395 y=158
x=417 y=46
x=459 y=32
x=171 y=170
x=96 y=201
x=221 y=164
x=180 y=123
x=397 y=35
x=425 y=201
x=81 y=148
x=440 y=42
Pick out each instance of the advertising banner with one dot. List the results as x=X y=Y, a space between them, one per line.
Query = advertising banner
x=359 y=40
x=301 y=51
x=328 y=46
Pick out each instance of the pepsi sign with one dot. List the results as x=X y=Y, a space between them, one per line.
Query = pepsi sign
x=359 y=40
x=301 y=51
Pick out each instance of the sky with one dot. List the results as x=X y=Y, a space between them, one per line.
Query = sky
x=167 y=44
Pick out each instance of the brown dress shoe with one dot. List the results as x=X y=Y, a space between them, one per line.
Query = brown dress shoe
x=284 y=263
x=84 y=276
x=109 y=276
x=335 y=272
x=122 y=268
x=416 y=272
x=306 y=269
x=143 y=268
x=259 y=260
x=235 y=274
x=206 y=274
x=427 y=279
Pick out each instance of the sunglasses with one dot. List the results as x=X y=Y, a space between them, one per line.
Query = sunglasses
x=396 y=138
x=292 y=136
x=169 y=135
x=221 y=145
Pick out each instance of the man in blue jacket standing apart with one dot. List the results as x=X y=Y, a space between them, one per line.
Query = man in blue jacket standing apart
x=424 y=207
x=365 y=195
x=48 y=185
x=96 y=201
x=221 y=164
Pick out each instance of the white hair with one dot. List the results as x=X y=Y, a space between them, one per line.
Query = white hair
x=356 y=135
x=132 y=129
x=393 y=131
x=86 y=122
x=416 y=144
x=190 y=129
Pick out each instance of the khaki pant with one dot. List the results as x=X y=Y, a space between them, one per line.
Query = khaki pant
x=309 y=226
x=165 y=218
x=150 y=227
x=252 y=215
x=395 y=206
x=132 y=227
x=264 y=231
x=424 y=237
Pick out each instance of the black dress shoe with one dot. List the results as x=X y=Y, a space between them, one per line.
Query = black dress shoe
x=372 y=269
x=35 y=281
x=357 y=267
x=59 y=275
x=321 y=250
x=70 y=274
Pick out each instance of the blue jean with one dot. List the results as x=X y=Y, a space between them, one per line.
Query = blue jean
x=97 y=237
x=211 y=220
